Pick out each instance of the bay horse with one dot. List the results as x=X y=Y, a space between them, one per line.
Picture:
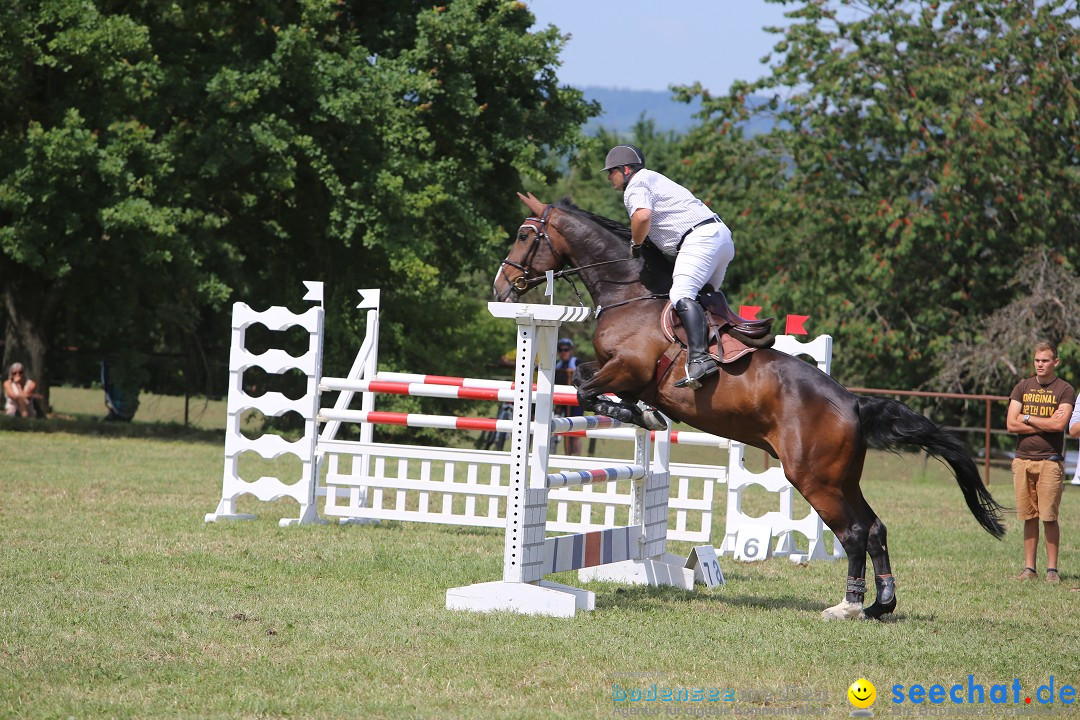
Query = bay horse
x=767 y=399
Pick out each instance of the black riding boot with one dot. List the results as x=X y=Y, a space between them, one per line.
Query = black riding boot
x=698 y=363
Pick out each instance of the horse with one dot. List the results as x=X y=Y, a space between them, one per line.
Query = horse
x=767 y=399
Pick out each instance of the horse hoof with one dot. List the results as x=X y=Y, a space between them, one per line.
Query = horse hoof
x=653 y=420
x=877 y=610
x=844 y=611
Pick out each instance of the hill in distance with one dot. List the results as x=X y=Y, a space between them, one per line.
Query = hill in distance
x=621 y=108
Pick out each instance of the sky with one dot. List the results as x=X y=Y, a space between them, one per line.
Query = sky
x=652 y=44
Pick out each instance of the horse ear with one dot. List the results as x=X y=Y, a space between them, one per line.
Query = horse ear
x=532 y=203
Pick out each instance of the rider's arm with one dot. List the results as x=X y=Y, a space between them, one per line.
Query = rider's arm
x=640 y=222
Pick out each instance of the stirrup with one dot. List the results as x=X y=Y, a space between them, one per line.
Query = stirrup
x=706 y=368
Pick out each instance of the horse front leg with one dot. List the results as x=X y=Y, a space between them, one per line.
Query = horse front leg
x=593 y=382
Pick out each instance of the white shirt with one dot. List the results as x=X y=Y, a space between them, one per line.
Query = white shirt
x=1075 y=419
x=674 y=208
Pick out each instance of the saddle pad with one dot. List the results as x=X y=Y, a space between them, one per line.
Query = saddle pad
x=729 y=349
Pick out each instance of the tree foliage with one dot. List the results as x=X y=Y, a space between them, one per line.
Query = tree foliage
x=1046 y=298
x=83 y=209
x=160 y=159
x=922 y=154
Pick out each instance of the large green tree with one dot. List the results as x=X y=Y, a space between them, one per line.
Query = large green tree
x=89 y=238
x=165 y=158
x=922 y=152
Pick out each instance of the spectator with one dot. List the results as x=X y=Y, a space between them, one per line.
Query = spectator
x=565 y=364
x=19 y=393
x=1039 y=408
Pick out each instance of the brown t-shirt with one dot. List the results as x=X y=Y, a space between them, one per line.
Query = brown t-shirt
x=1040 y=401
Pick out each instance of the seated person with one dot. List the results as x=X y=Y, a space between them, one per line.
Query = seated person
x=19 y=393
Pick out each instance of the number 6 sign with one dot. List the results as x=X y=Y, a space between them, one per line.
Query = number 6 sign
x=752 y=543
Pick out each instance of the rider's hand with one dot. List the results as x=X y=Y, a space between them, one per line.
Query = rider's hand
x=635 y=250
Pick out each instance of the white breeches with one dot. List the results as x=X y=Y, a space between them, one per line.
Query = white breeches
x=703 y=258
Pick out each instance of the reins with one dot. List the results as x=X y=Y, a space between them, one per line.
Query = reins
x=651 y=296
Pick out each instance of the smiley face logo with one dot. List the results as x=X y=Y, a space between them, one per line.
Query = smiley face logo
x=862 y=693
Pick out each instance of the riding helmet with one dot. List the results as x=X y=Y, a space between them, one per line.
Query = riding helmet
x=623 y=155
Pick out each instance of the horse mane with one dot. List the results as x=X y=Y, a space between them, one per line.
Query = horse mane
x=621 y=230
x=657 y=267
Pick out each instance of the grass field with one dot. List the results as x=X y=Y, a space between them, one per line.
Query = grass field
x=118 y=601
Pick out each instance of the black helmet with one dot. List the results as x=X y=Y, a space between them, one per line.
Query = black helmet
x=623 y=155
x=566 y=342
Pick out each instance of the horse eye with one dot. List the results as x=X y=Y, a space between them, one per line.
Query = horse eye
x=523 y=235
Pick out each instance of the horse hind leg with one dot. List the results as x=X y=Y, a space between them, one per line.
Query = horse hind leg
x=853 y=533
x=877 y=547
x=884 y=582
x=872 y=540
x=851 y=607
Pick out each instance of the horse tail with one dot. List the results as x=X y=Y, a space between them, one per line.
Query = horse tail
x=887 y=423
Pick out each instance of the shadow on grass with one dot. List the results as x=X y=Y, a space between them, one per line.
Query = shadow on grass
x=640 y=596
x=82 y=425
x=628 y=596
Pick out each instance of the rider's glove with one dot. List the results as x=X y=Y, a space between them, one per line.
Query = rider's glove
x=635 y=250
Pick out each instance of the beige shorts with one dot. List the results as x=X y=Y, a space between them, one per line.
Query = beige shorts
x=1038 y=485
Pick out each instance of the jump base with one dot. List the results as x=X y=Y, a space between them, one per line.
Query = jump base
x=546 y=598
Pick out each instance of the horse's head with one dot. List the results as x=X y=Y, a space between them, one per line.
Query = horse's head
x=538 y=248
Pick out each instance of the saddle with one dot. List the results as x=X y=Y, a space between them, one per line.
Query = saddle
x=730 y=336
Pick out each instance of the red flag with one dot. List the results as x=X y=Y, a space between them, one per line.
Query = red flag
x=795 y=324
x=749 y=312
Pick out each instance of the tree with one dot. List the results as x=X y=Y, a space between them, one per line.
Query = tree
x=87 y=236
x=1047 y=296
x=238 y=148
x=920 y=152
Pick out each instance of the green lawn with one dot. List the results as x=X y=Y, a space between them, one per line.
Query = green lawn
x=118 y=601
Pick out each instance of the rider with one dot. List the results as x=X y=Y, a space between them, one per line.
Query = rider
x=683 y=227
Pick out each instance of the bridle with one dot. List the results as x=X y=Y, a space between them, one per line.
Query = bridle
x=528 y=278
x=540 y=234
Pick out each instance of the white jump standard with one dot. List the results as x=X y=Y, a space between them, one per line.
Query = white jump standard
x=634 y=553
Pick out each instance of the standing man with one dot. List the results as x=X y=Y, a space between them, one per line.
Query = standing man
x=1039 y=408
x=682 y=227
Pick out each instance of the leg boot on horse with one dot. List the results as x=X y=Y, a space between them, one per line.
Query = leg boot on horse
x=699 y=365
